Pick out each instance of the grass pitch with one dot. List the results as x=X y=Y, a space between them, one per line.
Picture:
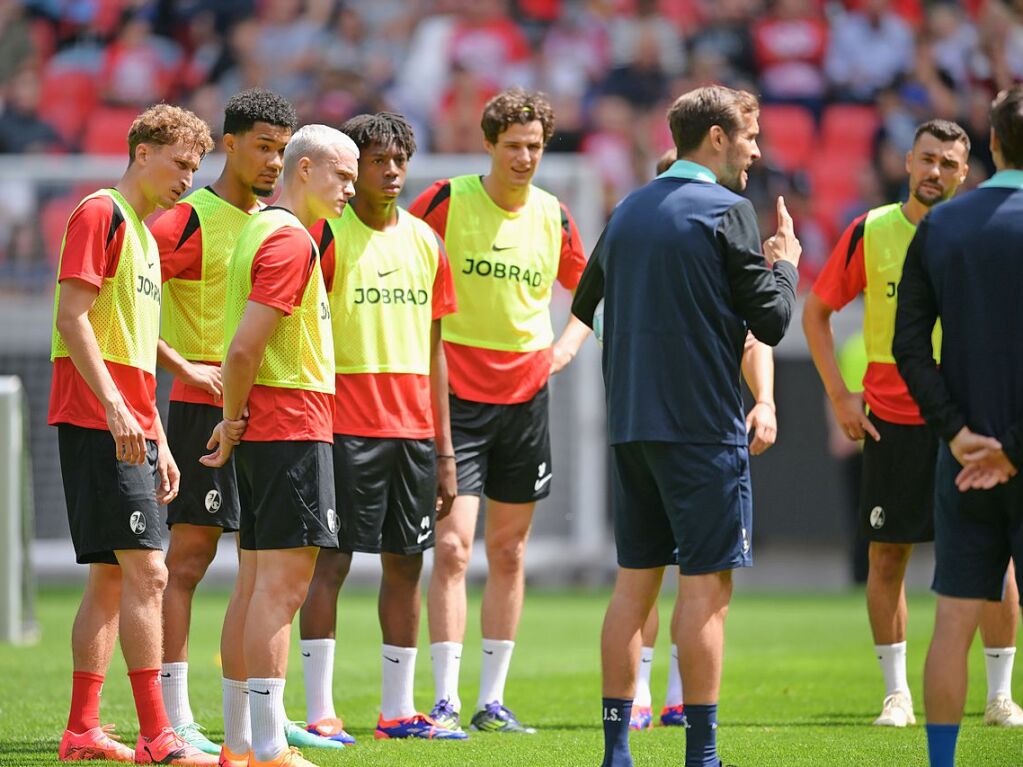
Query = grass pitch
x=801 y=687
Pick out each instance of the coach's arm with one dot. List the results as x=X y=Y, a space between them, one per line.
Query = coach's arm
x=763 y=296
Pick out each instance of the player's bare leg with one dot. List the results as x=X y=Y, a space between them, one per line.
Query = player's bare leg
x=318 y=618
x=945 y=673
x=94 y=632
x=673 y=712
x=886 y=608
x=700 y=633
x=634 y=595
x=642 y=713
x=143 y=580
x=998 y=624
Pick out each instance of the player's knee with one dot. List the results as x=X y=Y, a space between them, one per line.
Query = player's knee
x=186 y=571
x=888 y=562
x=507 y=556
x=402 y=569
x=451 y=556
x=147 y=577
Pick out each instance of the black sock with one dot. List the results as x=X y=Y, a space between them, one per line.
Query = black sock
x=616 y=714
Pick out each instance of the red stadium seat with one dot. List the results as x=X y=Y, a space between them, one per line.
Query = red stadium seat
x=67 y=98
x=849 y=129
x=835 y=182
x=789 y=134
x=107 y=131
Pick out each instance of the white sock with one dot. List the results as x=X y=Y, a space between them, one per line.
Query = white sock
x=998 y=661
x=398 y=672
x=446 y=658
x=174 y=683
x=318 y=670
x=237 y=725
x=892 y=658
x=646 y=661
x=494 y=671
x=674 y=694
x=266 y=707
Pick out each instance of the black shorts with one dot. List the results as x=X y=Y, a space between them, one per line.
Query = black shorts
x=503 y=451
x=386 y=494
x=897 y=492
x=208 y=497
x=693 y=498
x=286 y=491
x=976 y=533
x=111 y=505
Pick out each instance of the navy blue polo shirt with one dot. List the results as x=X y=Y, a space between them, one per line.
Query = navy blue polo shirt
x=682 y=276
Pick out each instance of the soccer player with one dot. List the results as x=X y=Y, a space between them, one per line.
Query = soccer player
x=279 y=364
x=964 y=266
x=112 y=445
x=389 y=283
x=899 y=452
x=761 y=422
x=196 y=238
x=683 y=279
x=508 y=242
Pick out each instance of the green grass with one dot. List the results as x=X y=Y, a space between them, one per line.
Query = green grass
x=801 y=687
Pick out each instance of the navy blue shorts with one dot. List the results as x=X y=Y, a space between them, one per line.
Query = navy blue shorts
x=975 y=534
x=696 y=498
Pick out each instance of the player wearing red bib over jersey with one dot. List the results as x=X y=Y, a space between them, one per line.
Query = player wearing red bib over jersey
x=112 y=445
x=508 y=242
x=196 y=238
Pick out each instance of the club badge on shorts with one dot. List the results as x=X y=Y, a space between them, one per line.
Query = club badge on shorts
x=877 y=517
x=213 y=501
x=332 y=523
x=137 y=522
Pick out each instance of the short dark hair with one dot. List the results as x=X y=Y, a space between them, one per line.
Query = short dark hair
x=384 y=128
x=256 y=105
x=943 y=130
x=1007 y=123
x=694 y=113
x=517 y=106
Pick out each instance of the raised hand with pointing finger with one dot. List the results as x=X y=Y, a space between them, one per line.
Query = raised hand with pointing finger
x=783 y=244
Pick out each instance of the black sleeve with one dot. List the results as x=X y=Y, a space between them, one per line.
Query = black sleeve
x=762 y=296
x=915 y=315
x=590 y=291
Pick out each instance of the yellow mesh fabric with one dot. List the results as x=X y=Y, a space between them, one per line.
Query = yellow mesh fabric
x=886 y=237
x=300 y=352
x=504 y=265
x=126 y=314
x=193 y=312
x=381 y=298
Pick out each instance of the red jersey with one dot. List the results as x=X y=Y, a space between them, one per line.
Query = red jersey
x=92 y=248
x=280 y=273
x=843 y=278
x=489 y=375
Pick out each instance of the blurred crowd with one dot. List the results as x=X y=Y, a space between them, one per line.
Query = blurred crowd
x=843 y=82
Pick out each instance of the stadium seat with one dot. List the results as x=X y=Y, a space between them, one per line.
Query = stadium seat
x=67 y=98
x=53 y=220
x=788 y=136
x=107 y=131
x=835 y=181
x=849 y=128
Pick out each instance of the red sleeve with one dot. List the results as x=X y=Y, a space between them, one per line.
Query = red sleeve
x=281 y=268
x=179 y=238
x=92 y=242
x=432 y=206
x=324 y=237
x=573 y=257
x=844 y=275
x=444 y=301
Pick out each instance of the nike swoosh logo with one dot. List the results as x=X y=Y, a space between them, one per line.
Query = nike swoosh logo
x=458 y=657
x=423 y=536
x=260 y=692
x=384 y=274
x=497 y=249
x=165 y=676
x=307 y=654
x=393 y=660
x=644 y=660
x=488 y=652
x=541 y=482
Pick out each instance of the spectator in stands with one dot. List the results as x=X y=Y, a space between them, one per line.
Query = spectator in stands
x=726 y=33
x=488 y=44
x=870 y=47
x=21 y=129
x=456 y=121
x=575 y=53
x=16 y=42
x=609 y=145
x=137 y=67
x=953 y=40
x=998 y=62
x=296 y=40
x=789 y=45
x=647 y=36
x=642 y=81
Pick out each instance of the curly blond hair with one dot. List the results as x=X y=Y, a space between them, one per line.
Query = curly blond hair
x=164 y=124
x=517 y=106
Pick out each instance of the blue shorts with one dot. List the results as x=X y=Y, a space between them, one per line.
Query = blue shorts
x=693 y=498
x=975 y=533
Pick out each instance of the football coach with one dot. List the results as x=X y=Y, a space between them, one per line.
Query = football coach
x=965 y=266
x=682 y=276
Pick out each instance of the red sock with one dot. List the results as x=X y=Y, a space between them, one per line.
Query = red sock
x=85 y=690
x=145 y=686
